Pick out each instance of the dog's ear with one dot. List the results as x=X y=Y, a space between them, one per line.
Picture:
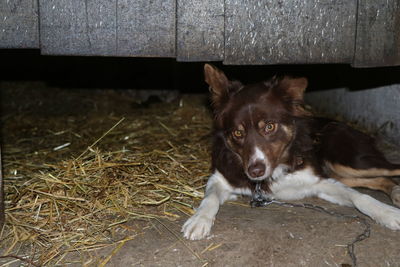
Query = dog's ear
x=295 y=87
x=220 y=86
x=294 y=90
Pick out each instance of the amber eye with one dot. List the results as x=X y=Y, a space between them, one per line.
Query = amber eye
x=238 y=134
x=270 y=127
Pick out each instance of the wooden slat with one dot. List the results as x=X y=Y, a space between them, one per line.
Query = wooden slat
x=78 y=27
x=298 y=31
x=378 y=33
x=108 y=27
x=146 y=28
x=200 y=30
x=19 y=24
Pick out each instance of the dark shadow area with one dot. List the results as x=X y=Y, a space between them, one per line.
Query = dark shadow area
x=166 y=73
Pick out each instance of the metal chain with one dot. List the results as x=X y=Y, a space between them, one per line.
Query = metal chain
x=258 y=200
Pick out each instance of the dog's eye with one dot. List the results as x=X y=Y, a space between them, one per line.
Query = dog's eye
x=238 y=134
x=270 y=127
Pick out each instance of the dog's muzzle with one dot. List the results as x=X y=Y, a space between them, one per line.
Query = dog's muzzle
x=256 y=170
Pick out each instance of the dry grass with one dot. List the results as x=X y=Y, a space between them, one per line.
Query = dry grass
x=74 y=188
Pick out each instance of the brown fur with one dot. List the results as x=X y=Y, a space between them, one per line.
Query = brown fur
x=266 y=145
x=333 y=149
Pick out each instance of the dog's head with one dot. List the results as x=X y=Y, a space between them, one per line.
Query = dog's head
x=258 y=119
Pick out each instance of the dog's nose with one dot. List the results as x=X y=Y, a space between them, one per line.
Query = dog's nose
x=256 y=170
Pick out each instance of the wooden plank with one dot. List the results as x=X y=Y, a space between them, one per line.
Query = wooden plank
x=378 y=34
x=108 y=27
x=298 y=31
x=78 y=27
x=19 y=24
x=200 y=30
x=146 y=28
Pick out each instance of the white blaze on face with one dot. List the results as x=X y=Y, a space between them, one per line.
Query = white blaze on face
x=258 y=155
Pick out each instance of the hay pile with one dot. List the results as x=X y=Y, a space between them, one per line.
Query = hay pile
x=88 y=184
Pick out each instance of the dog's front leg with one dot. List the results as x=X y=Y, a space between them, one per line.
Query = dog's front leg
x=336 y=192
x=217 y=192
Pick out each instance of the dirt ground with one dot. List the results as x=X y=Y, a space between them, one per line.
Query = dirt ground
x=273 y=236
x=241 y=236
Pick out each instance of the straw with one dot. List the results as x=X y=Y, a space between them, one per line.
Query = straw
x=152 y=166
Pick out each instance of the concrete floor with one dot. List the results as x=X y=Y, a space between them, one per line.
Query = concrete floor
x=271 y=236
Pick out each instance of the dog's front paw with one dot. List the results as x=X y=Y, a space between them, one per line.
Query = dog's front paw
x=197 y=227
x=390 y=217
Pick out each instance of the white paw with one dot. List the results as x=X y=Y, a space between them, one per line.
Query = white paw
x=382 y=213
x=389 y=216
x=197 y=227
x=395 y=195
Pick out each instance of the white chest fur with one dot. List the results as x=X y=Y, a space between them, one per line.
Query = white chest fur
x=291 y=186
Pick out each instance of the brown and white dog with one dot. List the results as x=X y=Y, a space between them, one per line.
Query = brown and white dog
x=264 y=135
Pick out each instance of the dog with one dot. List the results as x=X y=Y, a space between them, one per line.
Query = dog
x=265 y=137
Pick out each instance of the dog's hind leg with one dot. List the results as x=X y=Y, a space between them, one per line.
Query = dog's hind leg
x=336 y=192
x=383 y=184
x=395 y=195
x=217 y=192
x=349 y=153
x=369 y=171
x=372 y=178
